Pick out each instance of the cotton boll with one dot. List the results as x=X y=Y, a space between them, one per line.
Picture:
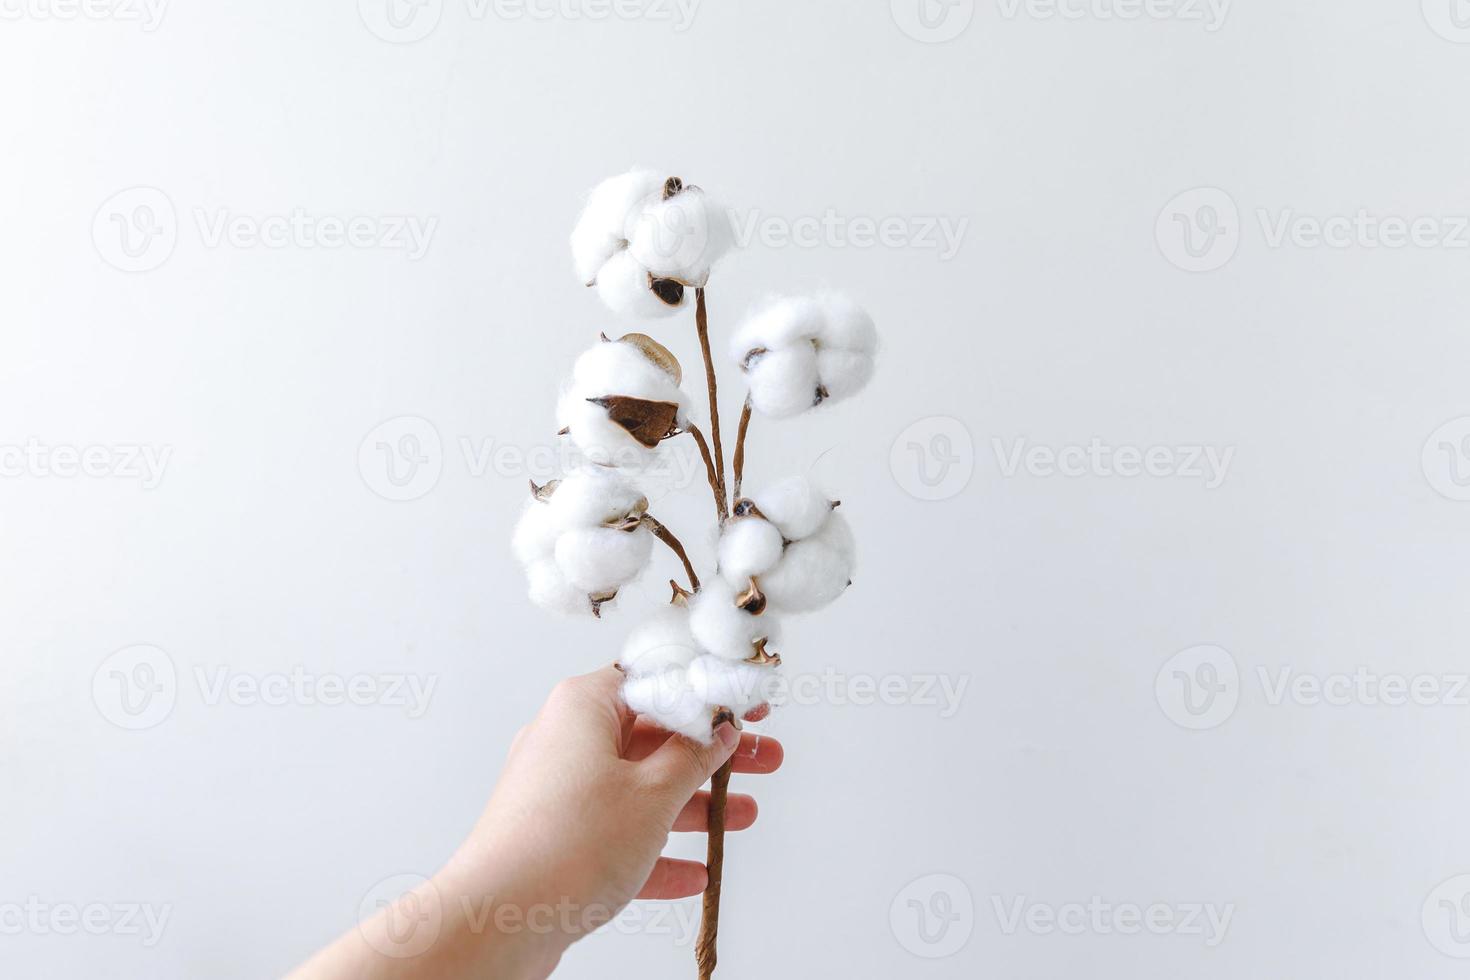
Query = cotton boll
x=843 y=372
x=658 y=643
x=723 y=628
x=592 y=496
x=783 y=383
x=550 y=589
x=846 y=325
x=668 y=700
x=618 y=368
x=795 y=506
x=733 y=684
x=622 y=284
x=602 y=227
x=535 y=534
x=749 y=547
x=814 y=571
x=781 y=323
x=599 y=560
x=596 y=435
x=681 y=238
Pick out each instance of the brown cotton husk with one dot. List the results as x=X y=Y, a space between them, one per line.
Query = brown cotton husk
x=649 y=422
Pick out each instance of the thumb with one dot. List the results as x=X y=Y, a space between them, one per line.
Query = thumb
x=681 y=765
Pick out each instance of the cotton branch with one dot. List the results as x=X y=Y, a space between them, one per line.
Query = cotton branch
x=667 y=537
x=739 y=461
x=701 y=324
x=714 y=862
x=716 y=485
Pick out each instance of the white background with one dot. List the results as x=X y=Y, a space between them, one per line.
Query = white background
x=1334 y=542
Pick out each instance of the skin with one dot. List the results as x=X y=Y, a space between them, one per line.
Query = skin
x=572 y=833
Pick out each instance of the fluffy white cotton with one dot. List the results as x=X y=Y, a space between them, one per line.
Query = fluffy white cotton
x=724 y=629
x=794 y=505
x=668 y=700
x=600 y=560
x=659 y=643
x=813 y=571
x=535 y=533
x=748 y=547
x=614 y=367
x=593 y=496
x=622 y=285
x=602 y=229
x=783 y=382
x=549 y=589
x=732 y=684
x=682 y=237
x=798 y=352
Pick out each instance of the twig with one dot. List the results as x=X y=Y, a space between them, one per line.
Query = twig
x=709 y=468
x=667 y=537
x=714 y=861
x=701 y=324
x=739 y=461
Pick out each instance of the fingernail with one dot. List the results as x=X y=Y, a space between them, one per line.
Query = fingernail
x=727 y=736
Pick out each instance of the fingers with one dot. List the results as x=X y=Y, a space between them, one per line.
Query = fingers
x=680 y=765
x=674 y=878
x=588 y=710
x=740 y=812
x=756 y=754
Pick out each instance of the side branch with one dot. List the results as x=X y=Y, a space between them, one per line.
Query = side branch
x=667 y=537
x=701 y=324
x=739 y=462
x=715 y=484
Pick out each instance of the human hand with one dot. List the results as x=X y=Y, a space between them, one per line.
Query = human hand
x=572 y=833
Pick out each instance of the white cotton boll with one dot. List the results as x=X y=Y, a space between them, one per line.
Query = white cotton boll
x=843 y=372
x=598 y=560
x=783 y=383
x=749 y=547
x=681 y=237
x=622 y=284
x=668 y=700
x=658 y=643
x=795 y=506
x=535 y=533
x=592 y=496
x=549 y=589
x=723 y=628
x=618 y=368
x=780 y=323
x=732 y=684
x=846 y=325
x=814 y=571
x=602 y=227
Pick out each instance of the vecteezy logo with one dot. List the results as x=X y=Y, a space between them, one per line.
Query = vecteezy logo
x=412 y=911
x=1450 y=19
x=401 y=21
x=934 y=458
x=932 y=21
x=402 y=458
x=136 y=687
x=1199 y=230
x=1446 y=459
x=136 y=230
x=933 y=916
x=1199 y=688
x=1446 y=918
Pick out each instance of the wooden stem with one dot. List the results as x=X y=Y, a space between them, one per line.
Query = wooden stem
x=701 y=324
x=709 y=468
x=668 y=538
x=739 y=461
x=714 y=860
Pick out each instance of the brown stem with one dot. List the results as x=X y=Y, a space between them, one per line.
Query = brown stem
x=709 y=468
x=739 y=461
x=714 y=861
x=667 y=537
x=701 y=324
